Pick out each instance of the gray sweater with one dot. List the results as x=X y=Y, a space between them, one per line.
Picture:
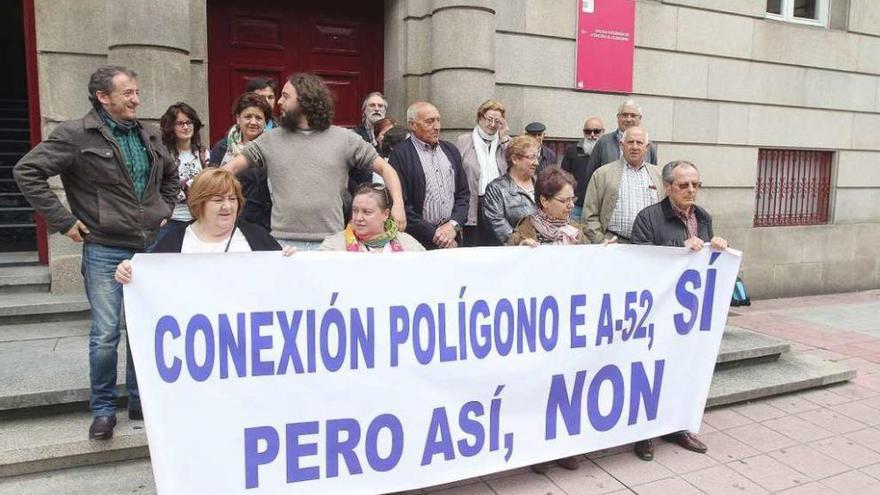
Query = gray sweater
x=308 y=175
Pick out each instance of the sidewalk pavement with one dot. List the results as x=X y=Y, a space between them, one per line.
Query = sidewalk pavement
x=821 y=442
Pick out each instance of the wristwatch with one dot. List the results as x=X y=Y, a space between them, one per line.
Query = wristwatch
x=456 y=226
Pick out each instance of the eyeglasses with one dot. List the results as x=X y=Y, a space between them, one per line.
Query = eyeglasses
x=629 y=115
x=566 y=201
x=185 y=123
x=532 y=157
x=491 y=121
x=590 y=132
x=685 y=185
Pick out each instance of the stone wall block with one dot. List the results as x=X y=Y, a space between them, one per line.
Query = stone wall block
x=839 y=90
x=163 y=77
x=849 y=275
x=668 y=73
x=797 y=279
x=753 y=8
x=864 y=17
x=720 y=166
x=463 y=38
x=755 y=82
x=810 y=46
x=713 y=33
x=796 y=127
x=456 y=107
x=858 y=169
x=728 y=206
x=856 y=205
x=656 y=25
x=417 y=57
x=695 y=121
x=71 y=26
x=733 y=123
x=868 y=55
x=552 y=17
x=64 y=80
x=867 y=240
x=865 y=131
x=522 y=59
x=162 y=23
x=489 y=5
x=198 y=39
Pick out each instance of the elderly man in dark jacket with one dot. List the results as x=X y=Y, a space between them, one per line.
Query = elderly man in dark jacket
x=121 y=184
x=676 y=221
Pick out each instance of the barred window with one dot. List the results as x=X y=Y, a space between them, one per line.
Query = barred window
x=793 y=187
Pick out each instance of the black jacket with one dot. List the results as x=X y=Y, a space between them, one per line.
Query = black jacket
x=501 y=208
x=405 y=160
x=97 y=183
x=658 y=225
x=257 y=238
x=576 y=162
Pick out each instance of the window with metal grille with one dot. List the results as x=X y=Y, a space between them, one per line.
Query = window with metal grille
x=793 y=187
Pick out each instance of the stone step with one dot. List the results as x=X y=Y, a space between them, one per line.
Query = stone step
x=19 y=279
x=39 y=307
x=130 y=477
x=59 y=441
x=789 y=373
x=18 y=258
x=46 y=365
x=741 y=347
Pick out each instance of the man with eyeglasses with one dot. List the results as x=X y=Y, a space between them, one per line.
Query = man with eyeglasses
x=617 y=192
x=676 y=221
x=576 y=162
x=607 y=148
x=121 y=184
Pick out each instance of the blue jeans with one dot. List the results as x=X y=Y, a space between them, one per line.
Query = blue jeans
x=300 y=245
x=105 y=297
x=576 y=213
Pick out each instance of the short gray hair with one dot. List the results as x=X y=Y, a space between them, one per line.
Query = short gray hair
x=102 y=80
x=374 y=93
x=671 y=166
x=413 y=110
x=629 y=102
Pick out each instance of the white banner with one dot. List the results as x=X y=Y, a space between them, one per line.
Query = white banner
x=342 y=373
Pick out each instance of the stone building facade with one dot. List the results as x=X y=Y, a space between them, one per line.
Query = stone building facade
x=719 y=80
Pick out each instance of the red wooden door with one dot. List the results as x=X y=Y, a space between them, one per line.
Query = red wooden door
x=340 y=40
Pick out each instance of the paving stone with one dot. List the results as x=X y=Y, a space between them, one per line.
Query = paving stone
x=769 y=473
x=724 y=448
x=824 y=396
x=809 y=461
x=677 y=486
x=853 y=482
x=847 y=451
x=589 y=479
x=859 y=411
x=679 y=460
x=810 y=489
x=722 y=480
x=724 y=418
x=525 y=484
x=477 y=488
x=854 y=391
x=759 y=411
x=873 y=471
x=869 y=437
x=622 y=468
x=797 y=428
x=792 y=404
x=761 y=438
x=832 y=420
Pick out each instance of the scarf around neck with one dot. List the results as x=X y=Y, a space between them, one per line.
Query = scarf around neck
x=486 y=157
x=122 y=125
x=389 y=237
x=553 y=230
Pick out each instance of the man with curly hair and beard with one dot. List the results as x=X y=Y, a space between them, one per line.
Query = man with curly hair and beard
x=308 y=162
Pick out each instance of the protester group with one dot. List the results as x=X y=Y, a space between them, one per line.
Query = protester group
x=284 y=178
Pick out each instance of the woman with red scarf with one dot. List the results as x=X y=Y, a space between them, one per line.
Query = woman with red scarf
x=371 y=229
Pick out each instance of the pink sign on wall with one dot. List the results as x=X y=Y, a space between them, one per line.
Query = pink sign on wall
x=605 y=45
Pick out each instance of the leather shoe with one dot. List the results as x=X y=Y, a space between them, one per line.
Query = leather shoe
x=540 y=468
x=645 y=449
x=570 y=463
x=135 y=414
x=687 y=440
x=102 y=428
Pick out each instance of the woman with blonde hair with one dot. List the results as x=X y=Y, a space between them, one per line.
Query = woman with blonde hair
x=482 y=157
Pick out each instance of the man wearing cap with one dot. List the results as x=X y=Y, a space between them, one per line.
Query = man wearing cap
x=576 y=162
x=548 y=157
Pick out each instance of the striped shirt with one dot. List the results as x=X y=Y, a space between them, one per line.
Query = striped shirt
x=439 y=182
x=636 y=192
x=688 y=218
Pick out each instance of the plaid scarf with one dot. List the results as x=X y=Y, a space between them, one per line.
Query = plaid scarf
x=134 y=153
x=389 y=236
x=553 y=230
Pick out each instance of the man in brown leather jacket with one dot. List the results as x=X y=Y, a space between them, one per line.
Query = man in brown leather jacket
x=121 y=184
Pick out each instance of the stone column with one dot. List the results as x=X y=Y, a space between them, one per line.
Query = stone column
x=462 y=59
x=153 y=38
